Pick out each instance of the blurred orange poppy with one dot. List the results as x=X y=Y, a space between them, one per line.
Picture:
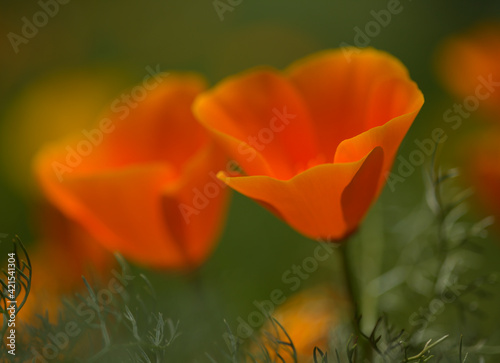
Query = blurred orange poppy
x=469 y=65
x=317 y=140
x=483 y=169
x=136 y=182
x=308 y=318
x=64 y=253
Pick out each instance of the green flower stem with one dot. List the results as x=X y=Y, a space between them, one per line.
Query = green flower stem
x=348 y=280
x=353 y=297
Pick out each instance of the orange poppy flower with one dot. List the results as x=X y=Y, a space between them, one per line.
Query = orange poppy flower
x=483 y=170
x=317 y=140
x=469 y=65
x=141 y=182
x=308 y=318
x=64 y=253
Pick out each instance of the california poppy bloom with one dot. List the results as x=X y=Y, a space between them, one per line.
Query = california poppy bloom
x=141 y=181
x=63 y=253
x=483 y=170
x=469 y=65
x=316 y=141
x=308 y=318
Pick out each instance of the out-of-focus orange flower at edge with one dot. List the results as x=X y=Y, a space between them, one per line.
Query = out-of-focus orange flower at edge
x=317 y=140
x=308 y=318
x=465 y=62
x=482 y=164
x=64 y=253
x=45 y=109
x=128 y=191
x=471 y=59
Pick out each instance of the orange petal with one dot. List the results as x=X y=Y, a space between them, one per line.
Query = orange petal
x=69 y=246
x=356 y=109
x=308 y=317
x=196 y=203
x=261 y=122
x=348 y=96
x=127 y=192
x=313 y=202
x=483 y=169
x=362 y=191
x=388 y=137
x=110 y=207
x=467 y=59
x=158 y=127
x=65 y=252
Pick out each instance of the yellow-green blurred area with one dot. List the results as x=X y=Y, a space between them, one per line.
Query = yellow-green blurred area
x=66 y=75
